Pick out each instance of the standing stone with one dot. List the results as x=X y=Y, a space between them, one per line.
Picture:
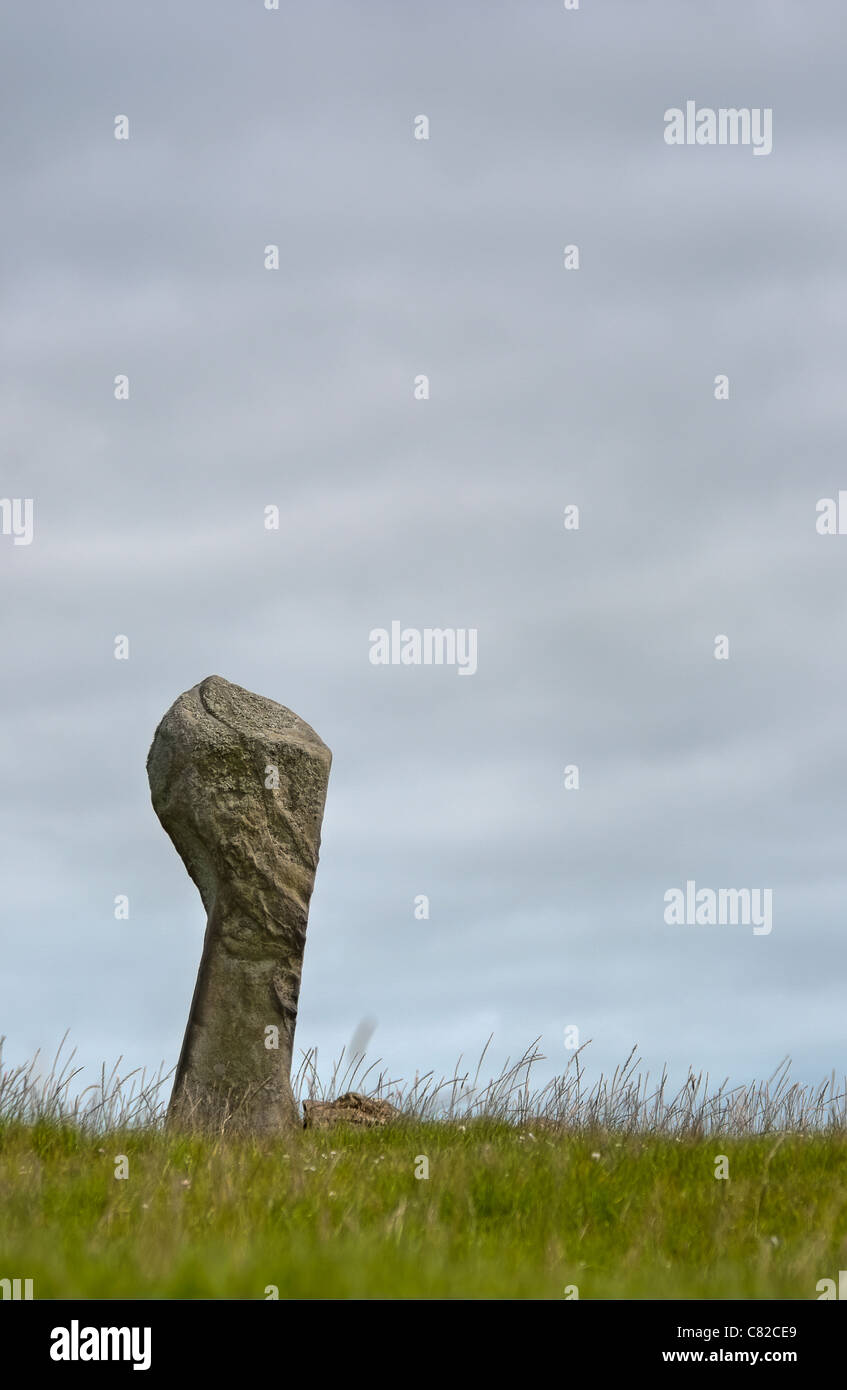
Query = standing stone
x=251 y=847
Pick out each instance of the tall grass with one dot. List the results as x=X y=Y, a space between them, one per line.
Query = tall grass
x=628 y=1102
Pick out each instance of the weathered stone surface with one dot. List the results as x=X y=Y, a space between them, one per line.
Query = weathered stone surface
x=350 y=1109
x=252 y=851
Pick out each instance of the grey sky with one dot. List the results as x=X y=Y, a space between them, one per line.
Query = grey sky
x=549 y=387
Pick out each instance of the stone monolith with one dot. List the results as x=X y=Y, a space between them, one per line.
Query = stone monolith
x=239 y=784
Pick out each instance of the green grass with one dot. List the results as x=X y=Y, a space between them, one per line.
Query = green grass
x=609 y=1187
x=507 y=1212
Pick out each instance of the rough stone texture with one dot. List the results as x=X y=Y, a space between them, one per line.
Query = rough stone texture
x=252 y=852
x=349 y=1109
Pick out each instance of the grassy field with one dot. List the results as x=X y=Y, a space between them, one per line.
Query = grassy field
x=504 y=1213
x=512 y=1207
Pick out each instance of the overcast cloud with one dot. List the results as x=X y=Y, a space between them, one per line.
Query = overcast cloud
x=549 y=387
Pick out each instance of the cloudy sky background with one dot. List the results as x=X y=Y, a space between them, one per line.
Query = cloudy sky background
x=549 y=387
